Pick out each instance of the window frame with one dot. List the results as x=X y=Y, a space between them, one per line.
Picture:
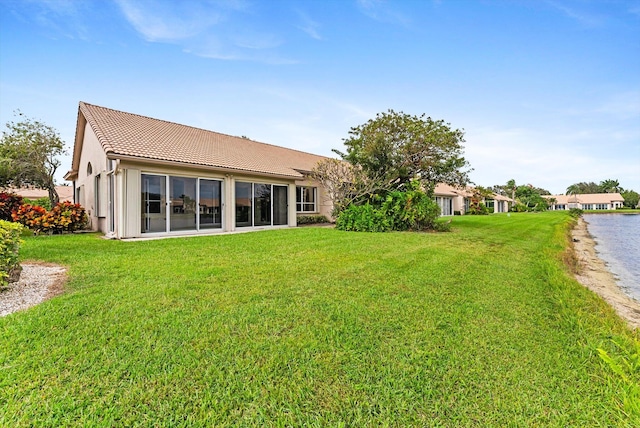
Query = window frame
x=301 y=203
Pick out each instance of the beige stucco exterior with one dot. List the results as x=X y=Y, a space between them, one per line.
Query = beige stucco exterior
x=109 y=187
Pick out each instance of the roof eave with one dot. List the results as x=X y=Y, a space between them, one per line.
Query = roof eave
x=164 y=162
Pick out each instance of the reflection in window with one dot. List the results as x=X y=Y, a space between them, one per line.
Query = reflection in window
x=243 y=204
x=306 y=199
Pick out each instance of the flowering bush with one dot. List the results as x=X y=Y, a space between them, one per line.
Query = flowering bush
x=64 y=217
x=30 y=216
x=9 y=202
x=9 y=246
x=67 y=217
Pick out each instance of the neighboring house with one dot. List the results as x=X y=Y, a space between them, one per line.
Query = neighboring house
x=588 y=201
x=452 y=200
x=498 y=203
x=65 y=193
x=137 y=176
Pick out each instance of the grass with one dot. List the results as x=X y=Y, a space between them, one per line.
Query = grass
x=316 y=327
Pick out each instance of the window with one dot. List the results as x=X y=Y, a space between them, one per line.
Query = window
x=601 y=206
x=259 y=204
x=445 y=204
x=587 y=206
x=89 y=169
x=306 y=199
x=96 y=195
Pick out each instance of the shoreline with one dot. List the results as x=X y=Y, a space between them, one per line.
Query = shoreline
x=595 y=276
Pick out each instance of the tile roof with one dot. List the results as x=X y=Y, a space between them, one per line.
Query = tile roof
x=443 y=189
x=128 y=134
x=64 y=192
x=587 y=198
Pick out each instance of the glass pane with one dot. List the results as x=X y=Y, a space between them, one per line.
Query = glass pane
x=309 y=195
x=153 y=199
x=243 y=204
x=262 y=200
x=183 y=203
x=280 y=205
x=210 y=204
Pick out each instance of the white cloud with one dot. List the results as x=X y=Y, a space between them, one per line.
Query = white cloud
x=61 y=17
x=211 y=29
x=586 y=19
x=548 y=158
x=382 y=11
x=309 y=26
x=168 y=21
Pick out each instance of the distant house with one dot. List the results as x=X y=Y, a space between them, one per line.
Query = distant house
x=65 y=193
x=588 y=201
x=452 y=199
x=139 y=176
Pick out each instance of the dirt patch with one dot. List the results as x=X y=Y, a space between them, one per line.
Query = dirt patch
x=592 y=272
x=38 y=282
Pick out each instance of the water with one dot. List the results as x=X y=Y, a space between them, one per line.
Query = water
x=617 y=239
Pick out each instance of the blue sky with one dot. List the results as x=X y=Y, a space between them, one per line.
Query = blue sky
x=547 y=91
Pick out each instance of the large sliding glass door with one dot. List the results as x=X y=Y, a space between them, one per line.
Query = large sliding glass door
x=259 y=204
x=210 y=204
x=183 y=203
x=154 y=195
x=171 y=204
x=262 y=204
x=280 y=205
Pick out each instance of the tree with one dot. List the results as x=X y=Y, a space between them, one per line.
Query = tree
x=343 y=183
x=478 y=196
x=631 y=198
x=395 y=148
x=530 y=197
x=610 y=186
x=582 y=188
x=28 y=155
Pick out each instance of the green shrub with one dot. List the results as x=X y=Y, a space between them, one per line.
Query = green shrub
x=64 y=217
x=575 y=212
x=412 y=209
x=363 y=218
x=41 y=202
x=9 y=247
x=519 y=208
x=478 y=209
x=312 y=219
x=9 y=202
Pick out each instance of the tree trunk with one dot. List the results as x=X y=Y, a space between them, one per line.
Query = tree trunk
x=53 y=196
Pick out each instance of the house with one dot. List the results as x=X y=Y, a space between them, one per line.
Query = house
x=498 y=203
x=587 y=201
x=452 y=200
x=138 y=176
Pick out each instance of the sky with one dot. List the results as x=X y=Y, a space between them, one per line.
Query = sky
x=546 y=91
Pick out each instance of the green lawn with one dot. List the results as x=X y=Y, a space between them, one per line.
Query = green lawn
x=316 y=327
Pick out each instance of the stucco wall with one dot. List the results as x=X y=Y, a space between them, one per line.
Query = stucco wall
x=92 y=153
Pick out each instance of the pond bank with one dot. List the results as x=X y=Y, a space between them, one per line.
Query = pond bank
x=595 y=276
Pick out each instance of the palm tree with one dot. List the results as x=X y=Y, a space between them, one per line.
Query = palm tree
x=610 y=186
x=574 y=189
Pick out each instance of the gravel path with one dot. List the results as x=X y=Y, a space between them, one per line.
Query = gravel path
x=37 y=283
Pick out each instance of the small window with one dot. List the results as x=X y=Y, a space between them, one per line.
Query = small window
x=96 y=194
x=89 y=169
x=306 y=199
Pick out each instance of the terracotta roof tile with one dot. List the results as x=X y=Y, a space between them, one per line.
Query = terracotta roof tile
x=588 y=198
x=130 y=134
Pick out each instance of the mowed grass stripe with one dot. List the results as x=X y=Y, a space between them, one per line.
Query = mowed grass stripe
x=314 y=326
